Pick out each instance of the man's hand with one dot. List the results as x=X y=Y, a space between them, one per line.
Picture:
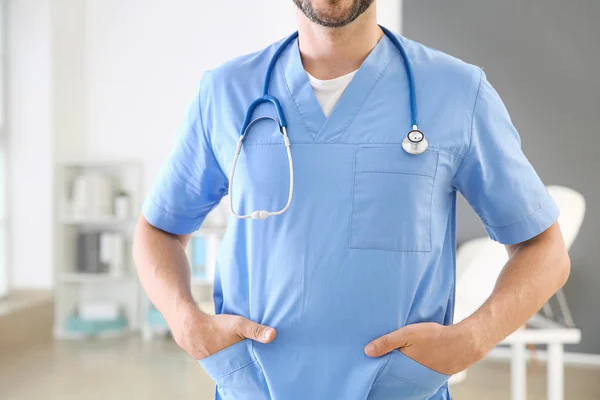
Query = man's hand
x=444 y=349
x=536 y=269
x=202 y=335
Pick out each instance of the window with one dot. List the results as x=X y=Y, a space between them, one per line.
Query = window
x=3 y=148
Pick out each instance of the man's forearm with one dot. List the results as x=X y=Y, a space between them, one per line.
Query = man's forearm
x=165 y=274
x=163 y=269
x=535 y=271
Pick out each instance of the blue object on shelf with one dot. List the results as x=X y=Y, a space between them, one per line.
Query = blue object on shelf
x=199 y=257
x=75 y=324
x=155 y=318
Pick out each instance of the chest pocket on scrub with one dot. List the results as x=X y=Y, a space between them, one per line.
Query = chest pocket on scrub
x=392 y=199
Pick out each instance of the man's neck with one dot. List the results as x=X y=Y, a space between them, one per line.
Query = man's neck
x=328 y=53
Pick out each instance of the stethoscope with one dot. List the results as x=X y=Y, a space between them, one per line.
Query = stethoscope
x=414 y=142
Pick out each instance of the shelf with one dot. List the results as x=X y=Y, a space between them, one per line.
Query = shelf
x=86 y=163
x=109 y=334
x=79 y=277
x=107 y=178
x=100 y=221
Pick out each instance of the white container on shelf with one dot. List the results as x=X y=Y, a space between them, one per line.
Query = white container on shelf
x=79 y=202
x=122 y=206
x=117 y=266
x=112 y=252
x=92 y=195
x=98 y=310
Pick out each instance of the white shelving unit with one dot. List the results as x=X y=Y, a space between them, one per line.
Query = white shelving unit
x=74 y=284
x=86 y=278
x=95 y=221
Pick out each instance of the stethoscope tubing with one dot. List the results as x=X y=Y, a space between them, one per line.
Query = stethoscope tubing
x=262 y=214
x=408 y=144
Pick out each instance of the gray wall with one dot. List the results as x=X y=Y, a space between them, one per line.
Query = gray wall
x=543 y=57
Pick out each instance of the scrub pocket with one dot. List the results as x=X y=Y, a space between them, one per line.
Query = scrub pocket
x=392 y=199
x=237 y=373
x=403 y=378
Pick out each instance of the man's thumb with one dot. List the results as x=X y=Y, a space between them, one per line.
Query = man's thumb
x=387 y=343
x=258 y=332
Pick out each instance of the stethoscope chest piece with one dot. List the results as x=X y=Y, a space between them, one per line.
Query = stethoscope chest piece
x=415 y=142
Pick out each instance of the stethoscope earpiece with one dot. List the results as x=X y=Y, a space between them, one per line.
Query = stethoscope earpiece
x=415 y=142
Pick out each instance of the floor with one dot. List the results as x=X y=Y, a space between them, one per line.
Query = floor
x=25 y=320
x=22 y=299
x=119 y=369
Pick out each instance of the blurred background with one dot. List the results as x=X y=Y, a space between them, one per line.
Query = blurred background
x=91 y=95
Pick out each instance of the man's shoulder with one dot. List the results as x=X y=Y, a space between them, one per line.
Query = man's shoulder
x=245 y=69
x=433 y=62
x=436 y=61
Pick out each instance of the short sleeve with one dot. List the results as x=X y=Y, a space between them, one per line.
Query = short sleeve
x=190 y=183
x=497 y=179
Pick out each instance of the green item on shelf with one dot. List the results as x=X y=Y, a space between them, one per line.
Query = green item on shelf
x=199 y=256
x=155 y=318
x=75 y=324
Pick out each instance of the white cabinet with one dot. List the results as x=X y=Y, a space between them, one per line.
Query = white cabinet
x=97 y=289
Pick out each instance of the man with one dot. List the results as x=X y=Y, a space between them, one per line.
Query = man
x=349 y=294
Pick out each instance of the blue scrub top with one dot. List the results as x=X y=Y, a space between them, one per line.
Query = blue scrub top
x=368 y=245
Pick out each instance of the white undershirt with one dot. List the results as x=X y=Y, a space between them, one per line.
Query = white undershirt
x=329 y=91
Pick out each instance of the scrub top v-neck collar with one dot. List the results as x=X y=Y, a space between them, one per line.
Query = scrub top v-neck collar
x=319 y=127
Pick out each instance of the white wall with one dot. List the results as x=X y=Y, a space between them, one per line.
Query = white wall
x=144 y=59
x=112 y=79
x=30 y=143
x=389 y=14
x=3 y=152
x=69 y=86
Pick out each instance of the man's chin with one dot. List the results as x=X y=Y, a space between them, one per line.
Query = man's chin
x=334 y=14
